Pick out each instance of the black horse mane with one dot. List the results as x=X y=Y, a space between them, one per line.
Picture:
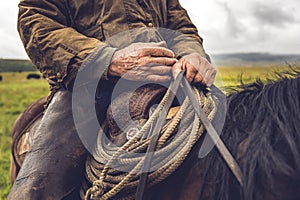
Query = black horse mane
x=262 y=130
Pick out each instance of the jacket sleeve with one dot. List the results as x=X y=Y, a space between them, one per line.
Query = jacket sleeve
x=186 y=40
x=53 y=46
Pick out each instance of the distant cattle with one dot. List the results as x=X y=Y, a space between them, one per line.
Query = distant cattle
x=0 y=77
x=33 y=76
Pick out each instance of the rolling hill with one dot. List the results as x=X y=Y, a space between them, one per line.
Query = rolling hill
x=233 y=59
x=255 y=59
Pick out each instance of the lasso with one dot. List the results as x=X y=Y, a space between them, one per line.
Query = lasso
x=114 y=171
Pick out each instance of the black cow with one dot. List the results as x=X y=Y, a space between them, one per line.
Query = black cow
x=0 y=77
x=33 y=76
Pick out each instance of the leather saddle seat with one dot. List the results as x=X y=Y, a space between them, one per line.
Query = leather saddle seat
x=130 y=110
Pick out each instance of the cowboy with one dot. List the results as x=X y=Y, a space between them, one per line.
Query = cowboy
x=59 y=36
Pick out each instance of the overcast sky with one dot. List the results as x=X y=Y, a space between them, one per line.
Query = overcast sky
x=227 y=26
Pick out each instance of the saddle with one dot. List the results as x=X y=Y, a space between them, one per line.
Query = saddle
x=117 y=165
x=131 y=107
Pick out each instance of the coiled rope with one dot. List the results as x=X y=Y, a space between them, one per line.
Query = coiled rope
x=114 y=171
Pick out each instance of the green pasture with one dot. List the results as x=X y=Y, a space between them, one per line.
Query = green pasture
x=16 y=93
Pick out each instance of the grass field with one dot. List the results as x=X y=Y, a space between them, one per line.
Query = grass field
x=17 y=93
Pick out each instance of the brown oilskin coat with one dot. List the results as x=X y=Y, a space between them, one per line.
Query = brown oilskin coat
x=59 y=34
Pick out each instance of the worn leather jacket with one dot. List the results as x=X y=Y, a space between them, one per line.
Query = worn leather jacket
x=58 y=35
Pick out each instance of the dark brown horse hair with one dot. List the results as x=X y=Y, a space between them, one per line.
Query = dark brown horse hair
x=265 y=118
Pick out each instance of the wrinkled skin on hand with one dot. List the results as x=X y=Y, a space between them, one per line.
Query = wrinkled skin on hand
x=198 y=69
x=143 y=62
x=154 y=62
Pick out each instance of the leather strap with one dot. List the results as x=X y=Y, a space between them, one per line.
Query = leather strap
x=156 y=130
x=231 y=162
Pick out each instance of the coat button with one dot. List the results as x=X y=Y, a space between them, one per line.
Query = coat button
x=150 y=24
x=58 y=75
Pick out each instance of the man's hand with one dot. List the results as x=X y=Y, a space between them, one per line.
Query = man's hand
x=198 y=69
x=143 y=61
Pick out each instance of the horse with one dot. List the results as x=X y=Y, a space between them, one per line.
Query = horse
x=262 y=132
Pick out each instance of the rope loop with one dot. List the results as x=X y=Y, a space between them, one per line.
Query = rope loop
x=176 y=140
x=96 y=191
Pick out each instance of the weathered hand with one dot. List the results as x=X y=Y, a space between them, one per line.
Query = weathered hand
x=143 y=61
x=198 y=69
